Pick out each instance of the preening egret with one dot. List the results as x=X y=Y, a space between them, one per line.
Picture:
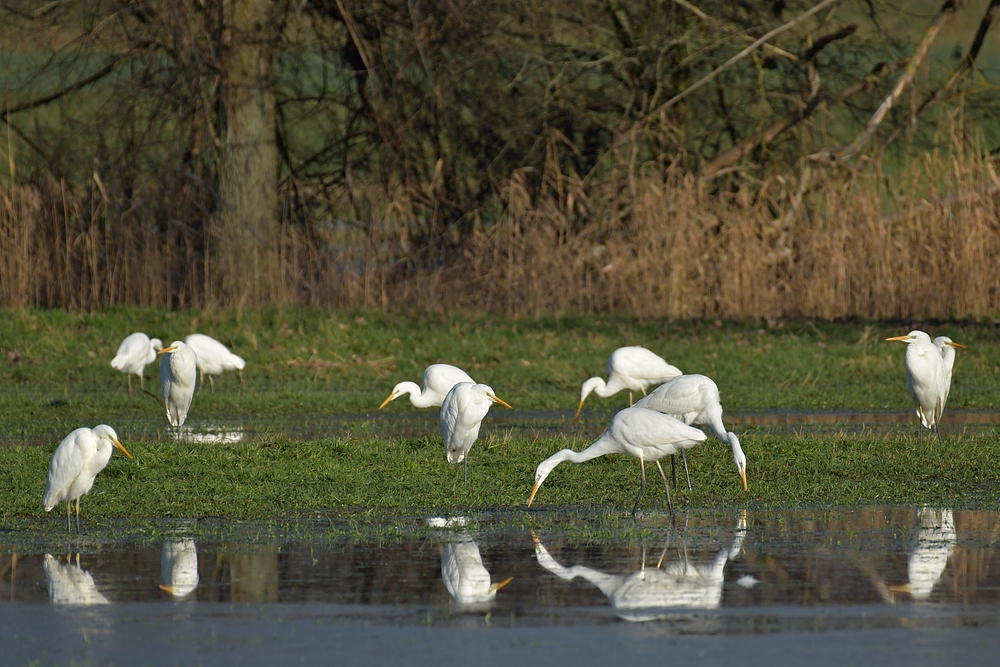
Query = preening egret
x=214 y=358
x=178 y=373
x=462 y=414
x=645 y=434
x=75 y=463
x=652 y=593
x=70 y=584
x=633 y=368
x=179 y=567
x=134 y=353
x=926 y=377
x=464 y=575
x=694 y=399
x=438 y=381
x=931 y=547
x=946 y=347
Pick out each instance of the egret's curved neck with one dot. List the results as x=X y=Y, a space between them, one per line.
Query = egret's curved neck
x=417 y=398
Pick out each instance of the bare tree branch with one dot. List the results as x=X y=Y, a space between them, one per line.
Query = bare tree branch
x=82 y=83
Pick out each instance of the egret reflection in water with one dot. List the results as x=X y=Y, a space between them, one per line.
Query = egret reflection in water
x=70 y=584
x=468 y=581
x=179 y=567
x=932 y=545
x=652 y=593
x=209 y=434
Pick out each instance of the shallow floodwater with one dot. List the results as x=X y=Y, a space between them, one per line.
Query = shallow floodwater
x=907 y=576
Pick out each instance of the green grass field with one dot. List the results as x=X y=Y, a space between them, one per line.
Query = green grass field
x=55 y=376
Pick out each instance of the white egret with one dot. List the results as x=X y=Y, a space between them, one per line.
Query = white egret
x=633 y=368
x=931 y=547
x=70 y=584
x=179 y=567
x=438 y=381
x=214 y=358
x=134 y=353
x=178 y=373
x=946 y=346
x=694 y=399
x=645 y=434
x=462 y=413
x=75 y=463
x=925 y=378
x=464 y=575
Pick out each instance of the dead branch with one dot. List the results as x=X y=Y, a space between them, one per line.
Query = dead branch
x=705 y=17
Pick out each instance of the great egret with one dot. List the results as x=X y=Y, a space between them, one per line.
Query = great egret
x=178 y=373
x=75 y=463
x=931 y=547
x=213 y=358
x=179 y=567
x=438 y=381
x=694 y=399
x=946 y=346
x=462 y=414
x=652 y=593
x=645 y=434
x=925 y=377
x=134 y=353
x=70 y=584
x=633 y=368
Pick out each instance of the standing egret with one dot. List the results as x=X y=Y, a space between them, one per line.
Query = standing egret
x=462 y=414
x=645 y=434
x=75 y=463
x=946 y=347
x=178 y=373
x=214 y=358
x=438 y=381
x=694 y=399
x=134 y=353
x=925 y=377
x=633 y=368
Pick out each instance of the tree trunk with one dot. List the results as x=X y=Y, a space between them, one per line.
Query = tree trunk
x=248 y=267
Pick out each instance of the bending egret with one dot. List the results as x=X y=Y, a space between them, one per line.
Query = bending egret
x=213 y=358
x=75 y=463
x=694 y=399
x=179 y=567
x=178 y=372
x=134 y=353
x=645 y=434
x=633 y=368
x=438 y=381
x=70 y=584
x=925 y=378
x=462 y=414
x=653 y=593
x=946 y=347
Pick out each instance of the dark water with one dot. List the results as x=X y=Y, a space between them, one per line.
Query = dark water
x=911 y=576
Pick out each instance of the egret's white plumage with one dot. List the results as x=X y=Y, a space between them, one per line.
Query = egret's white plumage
x=70 y=584
x=462 y=414
x=213 y=358
x=946 y=346
x=645 y=434
x=652 y=593
x=134 y=353
x=694 y=399
x=75 y=463
x=464 y=575
x=179 y=567
x=438 y=381
x=178 y=374
x=928 y=375
x=634 y=368
x=931 y=547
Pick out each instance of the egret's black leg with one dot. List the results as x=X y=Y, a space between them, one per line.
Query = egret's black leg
x=666 y=486
x=686 y=472
x=642 y=487
x=673 y=471
x=937 y=429
x=466 y=469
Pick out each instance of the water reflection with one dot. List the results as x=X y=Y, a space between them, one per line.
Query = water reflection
x=932 y=545
x=653 y=593
x=179 y=567
x=70 y=584
x=468 y=581
x=209 y=434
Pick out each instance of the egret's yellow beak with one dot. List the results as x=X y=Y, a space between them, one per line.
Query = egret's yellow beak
x=959 y=345
x=578 y=408
x=743 y=476
x=165 y=350
x=901 y=339
x=502 y=402
x=122 y=447
x=169 y=589
x=386 y=401
x=900 y=588
x=533 y=492
x=497 y=586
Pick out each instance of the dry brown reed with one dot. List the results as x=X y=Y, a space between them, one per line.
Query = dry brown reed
x=651 y=241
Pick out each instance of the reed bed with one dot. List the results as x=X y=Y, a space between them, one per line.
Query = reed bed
x=652 y=242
